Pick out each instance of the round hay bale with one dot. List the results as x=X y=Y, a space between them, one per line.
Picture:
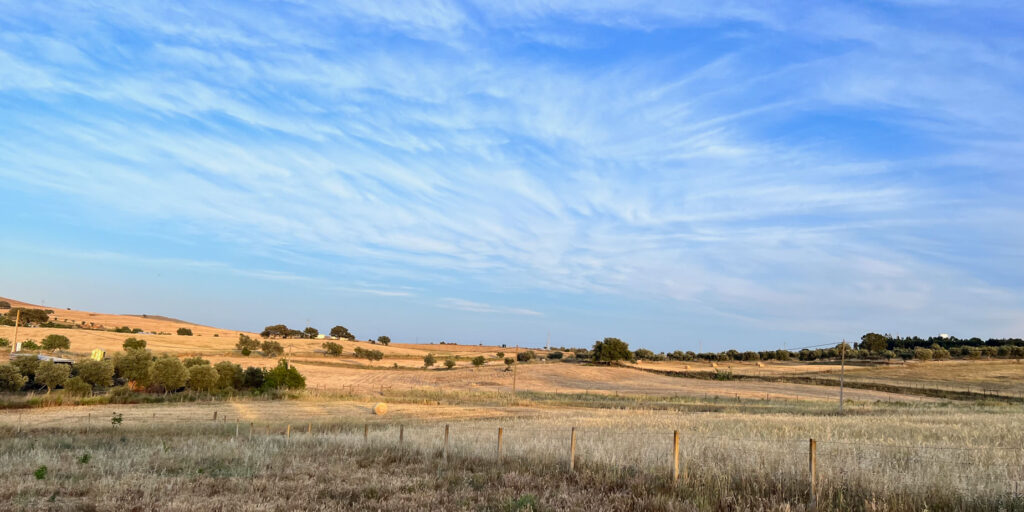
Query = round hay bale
x=380 y=409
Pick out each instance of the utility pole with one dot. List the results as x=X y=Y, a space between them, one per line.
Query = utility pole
x=842 y=373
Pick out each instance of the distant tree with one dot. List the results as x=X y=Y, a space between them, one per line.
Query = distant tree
x=429 y=360
x=195 y=361
x=52 y=375
x=874 y=342
x=525 y=356
x=124 y=329
x=229 y=375
x=184 y=331
x=311 y=332
x=333 y=348
x=583 y=354
x=449 y=362
x=202 y=378
x=611 y=349
x=272 y=349
x=341 y=332
x=4 y=304
x=500 y=354
x=170 y=373
x=938 y=352
x=11 y=379
x=384 y=340
x=133 y=344
x=509 y=362
x=479 y=361
x=643 y=353
x=95 y=373
x=750 y=356
x=922 y=353
x=246 y=343
x=284 y=376
x=555 y=355
x=135 y=366
x=275 y=331
x=372 y=355
x=29 y=316
x=29 y=345
x=56 y=341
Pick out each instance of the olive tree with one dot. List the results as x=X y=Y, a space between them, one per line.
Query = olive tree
x=52 y=375
x=170 y=373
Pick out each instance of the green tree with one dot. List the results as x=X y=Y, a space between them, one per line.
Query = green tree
x=29 y=316
x=509 y=362
x=643 y=353
x=229 y=375
x=195 y=361
x=52 y=375
x=95 y=373
x=555 y=355
x=133 y=344
x=311 y=332
x=247 y=343
x=611 y=349
x=56 y=341
x=202 y=378
x=449 y=362
x=874 y=342
x=525 y=356
x=11 y=379
x=275 y=331
x=333 y=348
x=922 y=353
x=4 y=304
x=253 y=377
x=29 y=345
x=341 y=332
x=170 y=373
x=372 y=355
x=26 y=366
x=75 y=386
x=384 y=340
x=272 y=349
x=184 y=331
x=479 y=361
x=429 y=360
x=284 y=376
x=135 y=366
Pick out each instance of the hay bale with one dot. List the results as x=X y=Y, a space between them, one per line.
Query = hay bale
x=380 y=409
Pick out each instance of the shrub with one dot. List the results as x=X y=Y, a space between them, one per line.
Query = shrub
x=479 y=361
x=341 y=332
x=135 y=366
x=195 y=361
x=29 y=316
x=555 y=355
x=750 y=356
x=4 y=304
x=253 y=377
x=500 y=354
x=971 y=352
x=429 y=360
x=611 y=349
x=40 y=473
x=246 y=352
x=284 y=376
x=184 y=331
x=170 y=373
x=449 y=362
x=271 y=348
x=95 y=373
x=525 y=356
x=372 y=355
x=56 y=341
x=229 y=375
x=123 y=329
x=384 y=340
x=582 y=354
x=29 y=345
x=76 y=386
x=11 y=379
x=133 y=344
x=509 y=361
x=4 y=342
x=202 y=378
x=52 y=375
x=922 y=353
x=245 y=342
x=333 y=348
x=939 y=352
x=26 y=366
x=643 y=353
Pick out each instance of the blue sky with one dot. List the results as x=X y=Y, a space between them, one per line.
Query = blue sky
x=676 y=174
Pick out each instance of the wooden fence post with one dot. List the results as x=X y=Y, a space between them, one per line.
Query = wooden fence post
x=309 y=429
x=500 y=433
x=366 y=432
x=214 y=415
x=401 y=434
x=444 y=451
x=675 y=456
x=812 y=467
x=236 y=428
x=288 y=432
x=572 y=450
x=251 y=425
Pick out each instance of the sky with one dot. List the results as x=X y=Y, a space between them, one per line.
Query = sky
x=680 y=175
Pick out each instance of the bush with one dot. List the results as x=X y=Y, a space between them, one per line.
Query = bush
x=509 y=361
x=229 y=375
x=333 y=348
x=170 y=373
x=52 y=375
x=611 y=349
x=29 y=345
x=246 y=352
x=750 y=356
x=341 y=332
x=449 y=362
x=429 y=360
x=135 y=366
x=195 y=361
x=500 y=354
x=202 y=378
x=479 y=361
x=643 y=353
x=11 y=379
x=271 y=349
x=555 y=355
x=76 y=386
x=245 y=342
x=525 y=356
x=384 y=340
x=133 y=344
x=29 y=316
x=56 y=341
x=922 y=353
x=4 y=304
x=184 y=331
x=4 y=342
x=372 y=355
x=26 y=366
x=95 y=373
x=253 y=378
x=284 y=376
x=123 y=329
